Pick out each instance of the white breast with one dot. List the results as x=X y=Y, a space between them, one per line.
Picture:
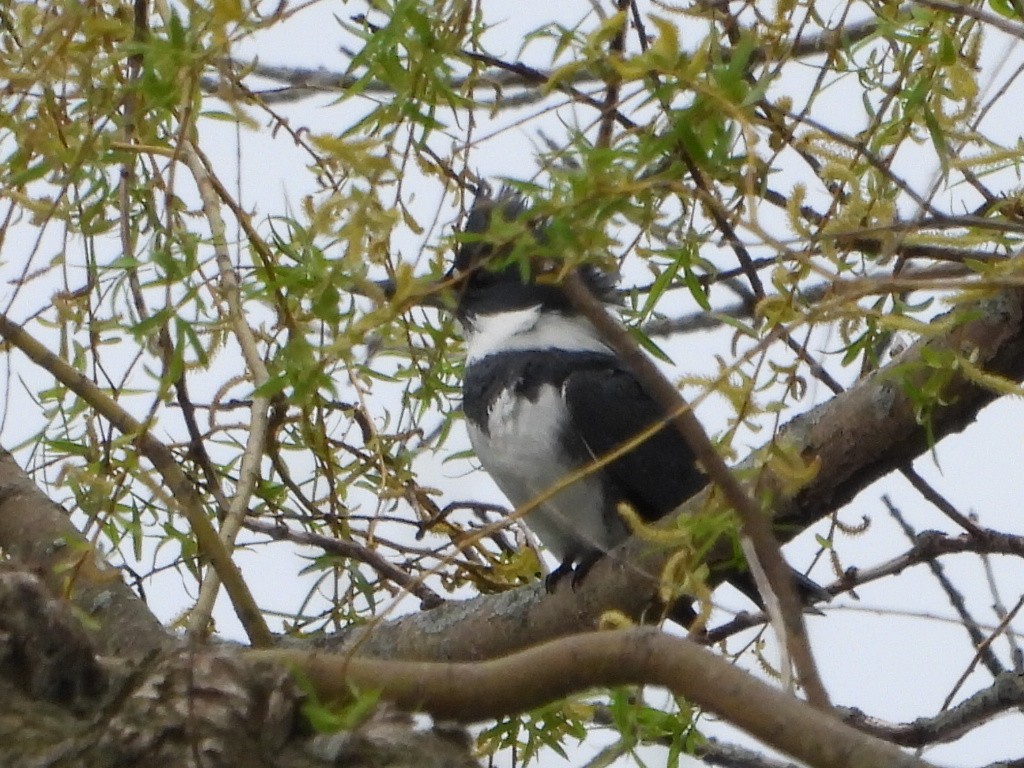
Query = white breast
x=521 y=452
x=529 y=329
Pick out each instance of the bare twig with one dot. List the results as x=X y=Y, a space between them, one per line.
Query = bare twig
x=1016 y=655
x=983 y=648
x=958 y=9
x=1005 y=693
x=941 y=502
x=304 y=82
x=956 y=598
x=428 y=597
x=927 y=546
x=611 y=96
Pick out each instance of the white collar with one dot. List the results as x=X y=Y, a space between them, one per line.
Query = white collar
x=529 y=329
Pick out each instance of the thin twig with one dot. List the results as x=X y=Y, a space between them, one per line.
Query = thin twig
x=994 y=666
x=958 y=9
x=611 y=97
x=940 y=502
x=755 y=524
x=985 y=646
x=256 y=432
x=279 y=532
x=1016 y=655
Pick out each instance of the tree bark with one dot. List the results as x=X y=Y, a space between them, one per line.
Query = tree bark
x=36 y=532
x=194 y=708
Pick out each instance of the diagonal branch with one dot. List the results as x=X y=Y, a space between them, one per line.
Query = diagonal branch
x=164 y=461
x=479 y=691
x=756 y=527
x=256 y=434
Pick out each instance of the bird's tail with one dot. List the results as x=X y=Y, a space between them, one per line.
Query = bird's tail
x=809 y=591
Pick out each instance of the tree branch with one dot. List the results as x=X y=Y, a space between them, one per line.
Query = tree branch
x=305 y=82
x=37 y=532
x=756 y=527
x=479 y=691
x=256 y=434
x=1006 y=692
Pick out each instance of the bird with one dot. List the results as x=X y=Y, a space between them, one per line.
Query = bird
x=543 y=396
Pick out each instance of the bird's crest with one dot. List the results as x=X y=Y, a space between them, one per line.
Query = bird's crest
x=474 y=253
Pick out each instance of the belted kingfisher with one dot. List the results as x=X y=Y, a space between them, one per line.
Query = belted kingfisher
x=543 y=397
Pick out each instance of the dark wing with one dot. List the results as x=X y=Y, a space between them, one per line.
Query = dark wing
x=608 y=407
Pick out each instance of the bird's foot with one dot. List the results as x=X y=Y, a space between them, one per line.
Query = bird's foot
x=563 y=570
x=579 y=570
x=583 y=567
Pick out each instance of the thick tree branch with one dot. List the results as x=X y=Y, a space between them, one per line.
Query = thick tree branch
x=61 y=706
x=483 y=690
x=35 y=531
x=875 y=427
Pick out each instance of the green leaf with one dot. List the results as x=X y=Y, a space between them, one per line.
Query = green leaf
x=1004 y=8
x=697 y=289
x=947 y=50
x=31 y=173
x=652 y=349
x=663 y=281
x=69 y=447
x=938 y=139
x=187 y=334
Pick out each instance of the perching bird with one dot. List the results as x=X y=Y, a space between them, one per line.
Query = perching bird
x=543 y=397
